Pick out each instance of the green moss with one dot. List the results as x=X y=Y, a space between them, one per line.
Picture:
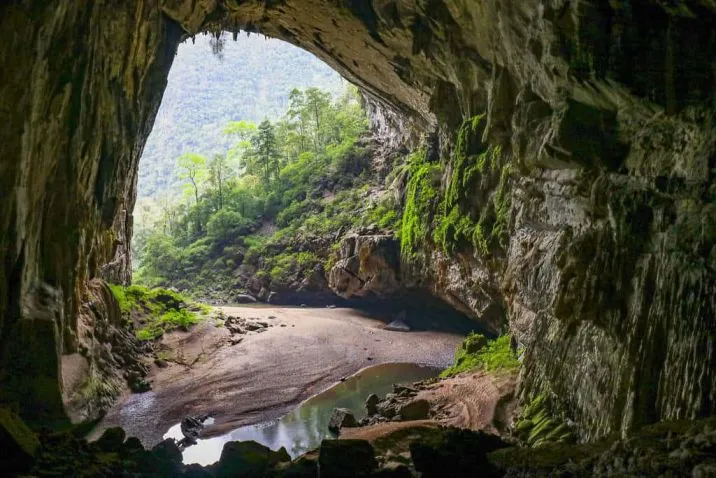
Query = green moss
x=502 y=202
x=421 y=196
x=495 y=355
x=542 y=422
x=474 y=166
x=468 y=160
x=120 y=297
x=159 y=310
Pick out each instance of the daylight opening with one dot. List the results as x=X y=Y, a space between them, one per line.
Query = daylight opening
x=256 y=147
x=261 y=187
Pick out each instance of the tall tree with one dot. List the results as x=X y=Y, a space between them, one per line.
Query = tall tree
x=219 y=172
x=193 y=167
x=316 y=105
x=265 y=150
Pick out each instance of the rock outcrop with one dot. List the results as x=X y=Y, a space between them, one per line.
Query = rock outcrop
x=601 y=255
x=368 y=264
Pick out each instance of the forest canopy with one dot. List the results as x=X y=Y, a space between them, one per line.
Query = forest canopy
x=270 y=208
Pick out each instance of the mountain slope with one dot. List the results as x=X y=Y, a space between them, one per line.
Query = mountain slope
x=248 y=79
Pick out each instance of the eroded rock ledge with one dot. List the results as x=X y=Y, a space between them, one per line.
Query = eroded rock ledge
x=603 y=109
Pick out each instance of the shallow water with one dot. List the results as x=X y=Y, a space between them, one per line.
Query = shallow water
x=303 y=428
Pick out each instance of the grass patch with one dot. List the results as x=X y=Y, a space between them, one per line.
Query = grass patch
x=477 y=352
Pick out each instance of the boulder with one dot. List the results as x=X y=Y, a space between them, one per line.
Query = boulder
x=368 y=264
x=371 y=404
x=414 y=410
x=191 y=428
x=167 y=458
x=387 y=408
x=18 y=444
x=111 y=440
x=341 y=418
x=346 y=459
x=403 y=390
x=248 y=459
x=455 y=452
x=244 y=299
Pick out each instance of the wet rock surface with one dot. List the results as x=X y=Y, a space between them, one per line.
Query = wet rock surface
x=341 y=418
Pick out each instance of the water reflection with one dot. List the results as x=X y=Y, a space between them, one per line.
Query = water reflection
x=303 y=428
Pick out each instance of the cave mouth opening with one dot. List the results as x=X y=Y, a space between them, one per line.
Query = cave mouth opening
x=215 y=169
x=208 y=224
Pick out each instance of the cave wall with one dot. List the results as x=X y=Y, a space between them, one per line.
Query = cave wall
x=79 y=88
x=605 y=109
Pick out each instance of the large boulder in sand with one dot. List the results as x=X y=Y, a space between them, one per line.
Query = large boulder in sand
x=244 y=299
x=111 y=440
x=371 y=404
x=414 y=410
x=248 y=459
x=346 y=459
x=341 y=418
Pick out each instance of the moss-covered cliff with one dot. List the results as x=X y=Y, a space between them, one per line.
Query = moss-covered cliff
x=598 y=241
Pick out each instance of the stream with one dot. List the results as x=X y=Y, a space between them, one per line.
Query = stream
x=304 y=428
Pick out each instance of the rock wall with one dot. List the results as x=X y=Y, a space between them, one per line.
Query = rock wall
x=605 y=110
x=79 y=89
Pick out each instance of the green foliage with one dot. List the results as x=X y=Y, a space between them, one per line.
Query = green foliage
x=473 y=169
x=286 y=265
x=283 y=184
x=224 y=224
x=468 y=161
x=495 y=355
x=119 y=295
x=502 y=203
x=542 y=422
x=421 y=195
x=157 y=310
x=205 y=93
x=455 y=228
x=169 y=320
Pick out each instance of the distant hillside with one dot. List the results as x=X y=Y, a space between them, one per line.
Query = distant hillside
x=248 y=79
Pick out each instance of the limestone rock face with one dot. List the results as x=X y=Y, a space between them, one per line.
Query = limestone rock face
x=368 y=264
x=603 y=110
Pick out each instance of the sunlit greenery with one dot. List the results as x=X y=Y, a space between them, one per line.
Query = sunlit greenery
x=158 y=310
x=493 y=355
x=282 y=184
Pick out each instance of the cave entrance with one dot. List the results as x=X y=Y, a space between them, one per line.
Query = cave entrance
x=260 y=161
x=246 y=142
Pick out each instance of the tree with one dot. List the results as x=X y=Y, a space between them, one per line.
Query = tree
x=317 y=104
x=265 y=151
x=193 y=167
x=225 y=224
x=219 y=172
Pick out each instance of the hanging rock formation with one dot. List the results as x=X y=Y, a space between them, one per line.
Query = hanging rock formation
x=602 y=111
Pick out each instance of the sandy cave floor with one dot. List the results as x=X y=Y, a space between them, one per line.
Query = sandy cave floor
x=304 y=352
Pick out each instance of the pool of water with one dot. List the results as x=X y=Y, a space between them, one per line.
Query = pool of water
x=303 y=428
